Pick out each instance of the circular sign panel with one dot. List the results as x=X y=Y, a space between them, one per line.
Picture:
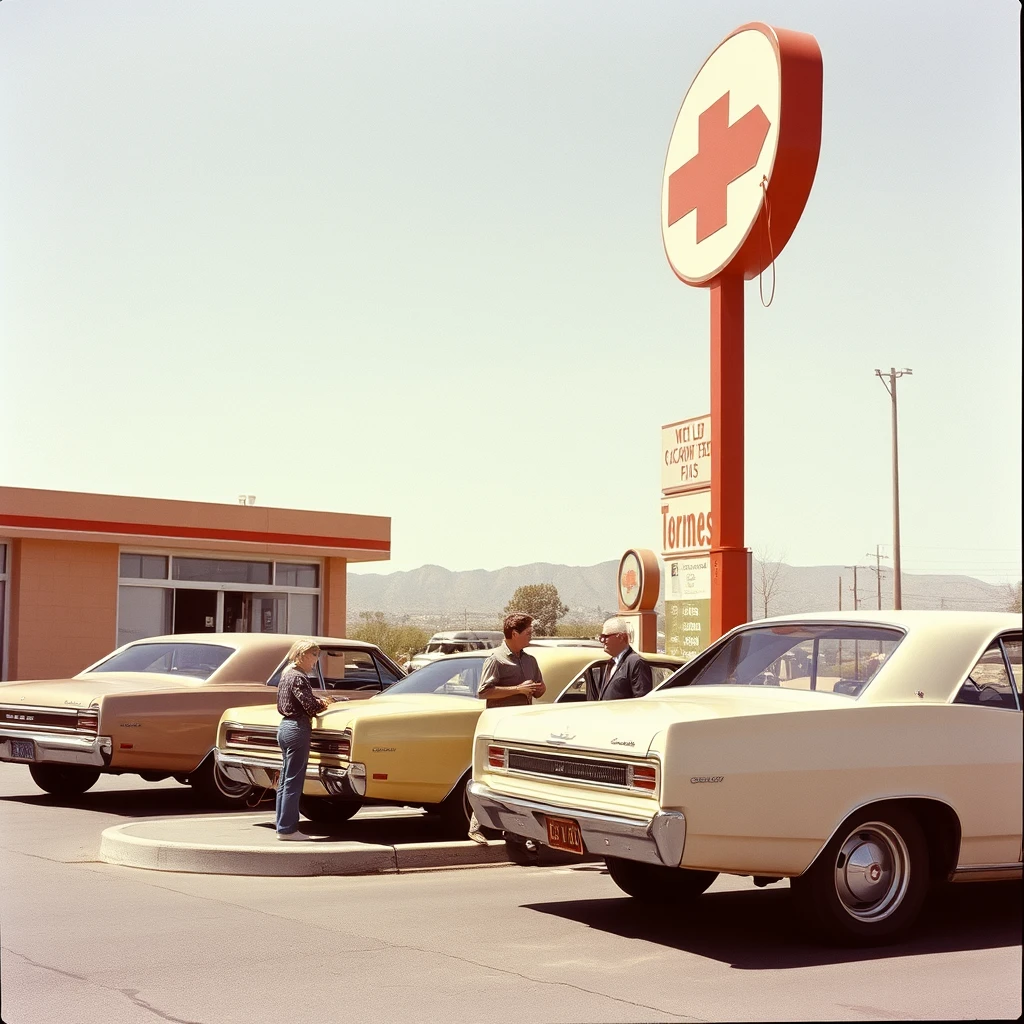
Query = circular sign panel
x=631 y=578
x=742 y=155
x=639 y=580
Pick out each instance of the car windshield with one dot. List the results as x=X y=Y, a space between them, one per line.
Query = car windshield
x=458 y=676
x=837 y=658
x=199 y=661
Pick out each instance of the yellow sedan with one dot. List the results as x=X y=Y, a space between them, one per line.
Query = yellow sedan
x=412 y=745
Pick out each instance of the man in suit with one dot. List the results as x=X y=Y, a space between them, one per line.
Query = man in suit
x=627 y=675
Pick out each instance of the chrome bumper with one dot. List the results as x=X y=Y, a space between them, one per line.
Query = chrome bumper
x=264 y=771
x=656 y=840
x=51 y=748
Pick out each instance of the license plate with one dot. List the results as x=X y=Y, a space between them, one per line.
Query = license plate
x=564 y=834
x=23 y=750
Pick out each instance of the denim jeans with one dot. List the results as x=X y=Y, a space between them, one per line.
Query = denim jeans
x=293 y=735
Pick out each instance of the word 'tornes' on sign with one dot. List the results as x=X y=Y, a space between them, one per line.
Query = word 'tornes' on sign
x=686 y=455
x=751 y=118
x=686 y=523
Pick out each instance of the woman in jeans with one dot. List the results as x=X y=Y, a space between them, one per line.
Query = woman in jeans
x=297 y=703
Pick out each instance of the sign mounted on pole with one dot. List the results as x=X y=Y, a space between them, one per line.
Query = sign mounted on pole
x=740 y=164
x=686 y=455
x=749 y=130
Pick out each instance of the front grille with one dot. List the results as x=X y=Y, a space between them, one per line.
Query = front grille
x=39 y=719
x=609 y=773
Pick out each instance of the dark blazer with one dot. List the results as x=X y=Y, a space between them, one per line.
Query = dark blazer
x=631 y=679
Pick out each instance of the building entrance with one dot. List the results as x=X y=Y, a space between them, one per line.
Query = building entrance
x=195 y=611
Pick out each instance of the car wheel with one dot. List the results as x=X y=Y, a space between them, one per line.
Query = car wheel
x=63 y=779
x=655 y=883
x=215 y=789
x=328 y=810
x=869 y=883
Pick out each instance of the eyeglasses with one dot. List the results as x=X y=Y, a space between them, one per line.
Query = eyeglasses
x=607 y=636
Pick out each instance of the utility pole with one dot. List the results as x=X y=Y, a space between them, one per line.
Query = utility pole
x=878 y=556
x=840 y=593
x=856 y=599
x=897 y=583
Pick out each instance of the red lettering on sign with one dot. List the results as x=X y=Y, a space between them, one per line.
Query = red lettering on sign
x=724 y=152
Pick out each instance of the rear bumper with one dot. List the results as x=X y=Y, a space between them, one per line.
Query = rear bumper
x=656 y=840
x=50 y=748
x=349 y=782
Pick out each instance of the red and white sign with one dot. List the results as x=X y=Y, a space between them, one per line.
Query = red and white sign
x=686 y=523
x=729 y=140
x=686 y=455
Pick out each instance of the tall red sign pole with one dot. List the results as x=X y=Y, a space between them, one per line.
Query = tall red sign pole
x=739 y=169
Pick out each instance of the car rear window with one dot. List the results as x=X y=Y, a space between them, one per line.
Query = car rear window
x=835 y=658
x=198 y=661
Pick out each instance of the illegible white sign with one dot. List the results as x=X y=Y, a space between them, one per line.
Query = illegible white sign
x=686 y=455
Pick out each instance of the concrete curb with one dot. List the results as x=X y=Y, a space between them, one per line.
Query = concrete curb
x=230 y=846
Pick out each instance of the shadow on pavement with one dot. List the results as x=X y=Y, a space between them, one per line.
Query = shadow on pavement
x=762 y=931
x=157 y=802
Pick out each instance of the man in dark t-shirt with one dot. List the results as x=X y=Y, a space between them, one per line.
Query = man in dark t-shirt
x=509 y=677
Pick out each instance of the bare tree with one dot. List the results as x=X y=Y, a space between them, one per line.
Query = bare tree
x=766 y=578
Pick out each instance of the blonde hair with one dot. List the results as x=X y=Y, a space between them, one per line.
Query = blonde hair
x=300 y=648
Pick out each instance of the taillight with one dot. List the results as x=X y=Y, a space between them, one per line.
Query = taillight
x=89 y=720
x=338 y=745
x=497 y=757
x=644 y=776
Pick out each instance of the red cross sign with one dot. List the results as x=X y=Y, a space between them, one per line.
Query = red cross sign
x=725 y=153
x=751 y=120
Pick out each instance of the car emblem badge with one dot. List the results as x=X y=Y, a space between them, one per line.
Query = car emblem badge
x=561 y=737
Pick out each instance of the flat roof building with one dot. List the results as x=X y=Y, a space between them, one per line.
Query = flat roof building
x=83 y=573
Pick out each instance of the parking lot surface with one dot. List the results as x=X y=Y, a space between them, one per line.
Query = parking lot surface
x=91 y=942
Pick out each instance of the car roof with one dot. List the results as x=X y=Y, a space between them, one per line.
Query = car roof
x=254 y=641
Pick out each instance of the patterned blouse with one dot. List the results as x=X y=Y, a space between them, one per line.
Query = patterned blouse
x=295 y=697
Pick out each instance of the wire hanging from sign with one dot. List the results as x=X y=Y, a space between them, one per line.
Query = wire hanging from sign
x=766 y=208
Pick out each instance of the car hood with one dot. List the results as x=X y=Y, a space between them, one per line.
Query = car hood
x=632 y=726
x=341 y=714
x=85 y=690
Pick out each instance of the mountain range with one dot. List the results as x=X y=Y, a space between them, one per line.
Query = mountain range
x=441 y=598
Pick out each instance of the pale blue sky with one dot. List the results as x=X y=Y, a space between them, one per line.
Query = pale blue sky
x=405 y=259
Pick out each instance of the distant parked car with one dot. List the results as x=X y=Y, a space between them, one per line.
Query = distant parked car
x=454 y=641
x=151 y=708
x=866 y=757
x=411 y=745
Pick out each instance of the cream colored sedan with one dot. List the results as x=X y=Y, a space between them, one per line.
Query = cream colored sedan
x=866 y=757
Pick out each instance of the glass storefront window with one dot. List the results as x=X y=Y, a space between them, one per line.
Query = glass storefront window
x=143 y=567
x=294 y=575
x=221 y=570
x=142 y=612
x=269 y=613
x=302 y=614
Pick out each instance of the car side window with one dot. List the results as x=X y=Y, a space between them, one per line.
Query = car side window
x=989 y=685
x=579 y=688
x=349 y=670
x=388 y=674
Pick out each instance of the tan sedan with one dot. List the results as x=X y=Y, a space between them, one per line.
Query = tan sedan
x=151 y=708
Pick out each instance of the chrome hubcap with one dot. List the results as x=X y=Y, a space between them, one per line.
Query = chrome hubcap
x=872 y=871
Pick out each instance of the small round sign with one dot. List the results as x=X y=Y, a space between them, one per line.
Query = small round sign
x=743 y=154
x=638 y=580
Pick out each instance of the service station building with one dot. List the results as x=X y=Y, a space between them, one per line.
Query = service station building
x=81 y=574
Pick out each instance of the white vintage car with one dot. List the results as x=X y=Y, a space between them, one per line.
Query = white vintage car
x=867 y=757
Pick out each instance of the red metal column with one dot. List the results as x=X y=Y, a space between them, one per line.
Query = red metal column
x=728 y=553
